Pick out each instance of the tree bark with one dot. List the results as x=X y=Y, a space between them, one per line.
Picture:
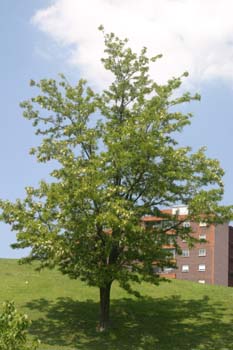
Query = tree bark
x=104 y=307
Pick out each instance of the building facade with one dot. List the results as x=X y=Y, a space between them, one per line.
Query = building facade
x=210 y=261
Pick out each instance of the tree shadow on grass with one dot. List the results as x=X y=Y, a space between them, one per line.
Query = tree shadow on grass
x=148 y=324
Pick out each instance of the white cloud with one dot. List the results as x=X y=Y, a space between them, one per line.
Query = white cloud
x=193 y=35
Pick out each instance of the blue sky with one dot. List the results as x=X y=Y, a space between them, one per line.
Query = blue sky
x=20 y=61
x=43 y=38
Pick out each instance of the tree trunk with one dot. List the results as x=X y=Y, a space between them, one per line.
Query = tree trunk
x=104 y=307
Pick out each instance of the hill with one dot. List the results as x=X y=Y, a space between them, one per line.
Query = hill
x=177 y=315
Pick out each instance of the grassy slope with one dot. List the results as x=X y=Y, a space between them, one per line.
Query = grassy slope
x=174 y=316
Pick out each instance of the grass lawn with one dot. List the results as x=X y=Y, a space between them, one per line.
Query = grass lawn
x=174 y=316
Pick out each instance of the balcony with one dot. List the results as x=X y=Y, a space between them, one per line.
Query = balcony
x=168 y=275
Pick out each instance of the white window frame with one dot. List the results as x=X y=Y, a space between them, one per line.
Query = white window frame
x=201 y=267
x=168 y=269
x=186 y=224
x=170 y=241
x=202 y=236
x=185 y=268
x=186 y=254
x=173 y=253
x=202 y=252
x=202 y=224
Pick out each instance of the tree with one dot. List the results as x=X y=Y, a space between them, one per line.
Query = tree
x=116 y=159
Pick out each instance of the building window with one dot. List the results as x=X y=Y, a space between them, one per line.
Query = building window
x=201 y=267
x=201 y=281
x=168 y=269
x=185 y=253
x=171 y=253
x=202 y=236
x=156 y=224
x=202 y=252
x=170 y=241
x=186 y=224
x=202 y=224
x=168 y=224
x=185 y=268
x=156 y=269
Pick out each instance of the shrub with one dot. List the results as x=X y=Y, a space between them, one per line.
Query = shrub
x=13 y=329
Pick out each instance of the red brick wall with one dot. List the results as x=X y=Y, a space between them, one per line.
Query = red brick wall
x=218 y=260
x=221 y=255
x=194 y=259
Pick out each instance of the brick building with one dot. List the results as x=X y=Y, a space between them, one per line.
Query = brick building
x=207 y=262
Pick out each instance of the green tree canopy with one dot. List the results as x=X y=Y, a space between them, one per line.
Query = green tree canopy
x=117 y=159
